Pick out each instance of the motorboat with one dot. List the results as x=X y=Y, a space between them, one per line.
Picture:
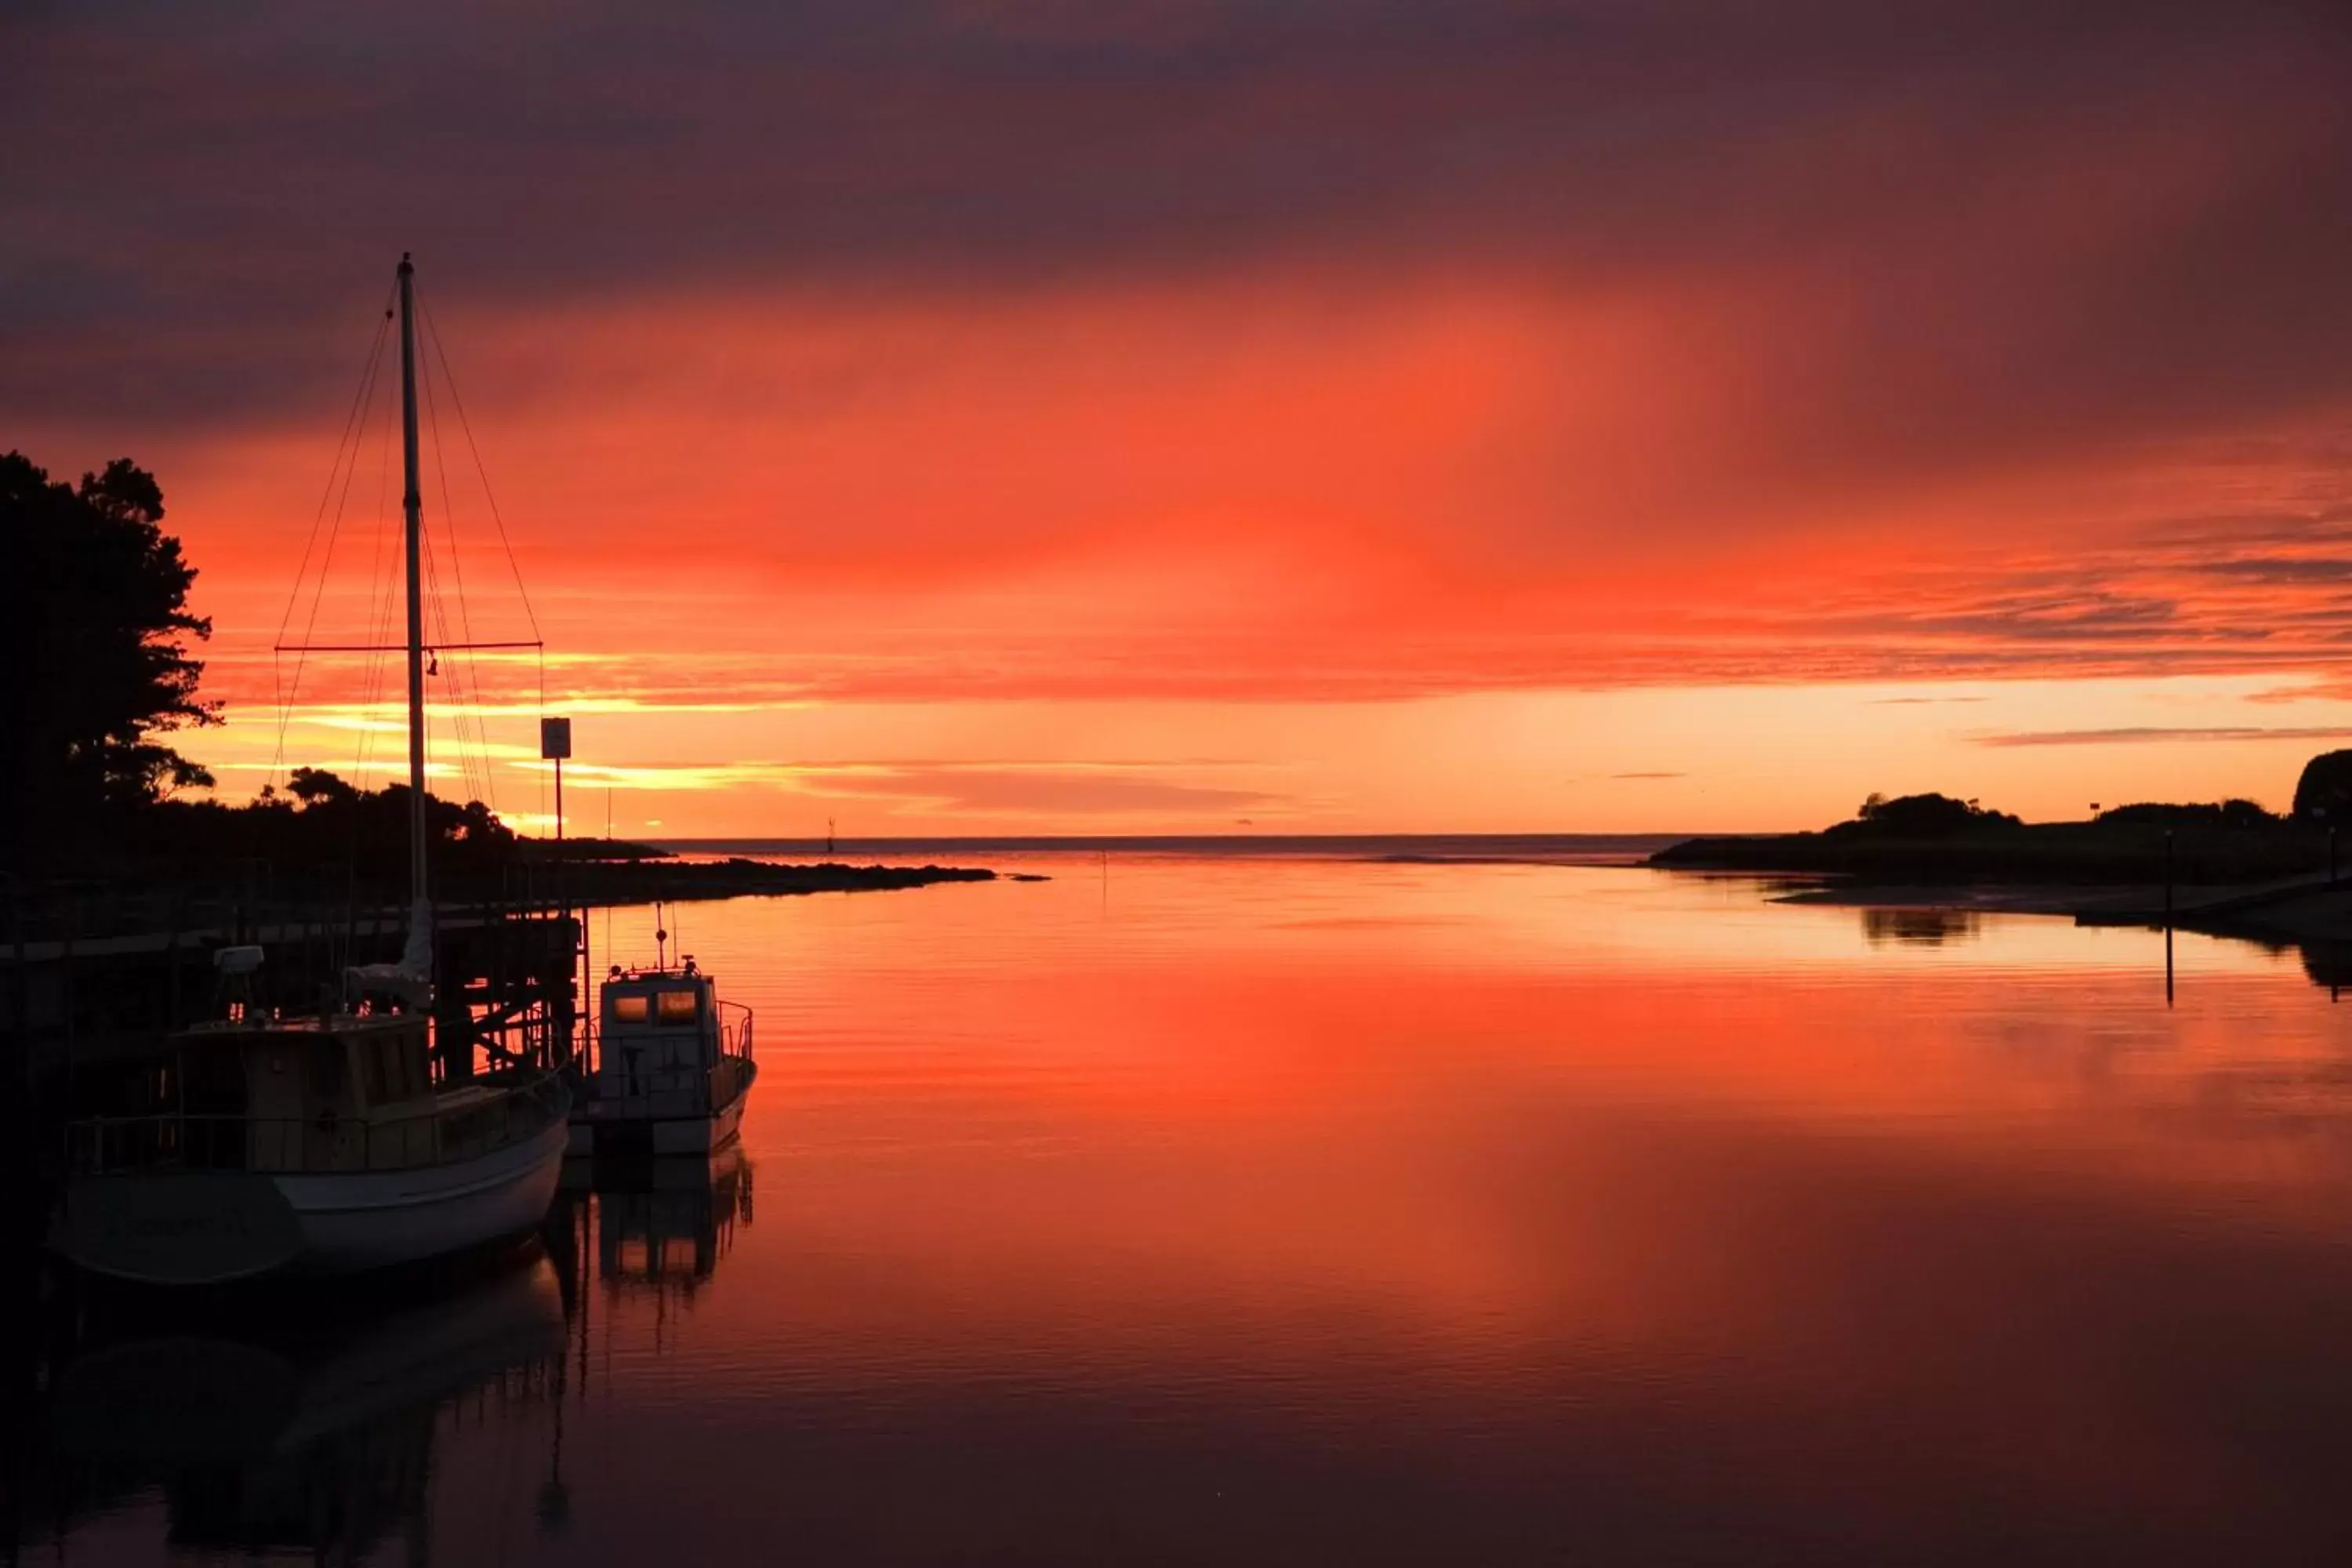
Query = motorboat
x=669 y=1068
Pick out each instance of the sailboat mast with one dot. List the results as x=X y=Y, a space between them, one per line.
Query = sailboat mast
x=412 y=505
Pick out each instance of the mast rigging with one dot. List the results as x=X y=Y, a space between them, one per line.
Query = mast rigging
x=420 y=940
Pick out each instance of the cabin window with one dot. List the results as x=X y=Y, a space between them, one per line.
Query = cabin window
x=371 y=1072
x=395 y=1071
x=678 y=1007
x=630 y=1009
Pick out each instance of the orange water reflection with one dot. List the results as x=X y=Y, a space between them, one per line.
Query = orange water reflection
x=1415 y=1161
x=1198 y=1209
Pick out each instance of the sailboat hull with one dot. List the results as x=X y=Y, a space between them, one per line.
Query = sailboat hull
x=211 y=1229
x=354 y=1223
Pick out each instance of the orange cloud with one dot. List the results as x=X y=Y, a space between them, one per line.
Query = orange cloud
x=983 y=373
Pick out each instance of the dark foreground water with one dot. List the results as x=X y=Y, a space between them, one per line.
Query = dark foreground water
x=1293 y=1210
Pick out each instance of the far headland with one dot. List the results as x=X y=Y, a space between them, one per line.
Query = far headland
x=2228 y=867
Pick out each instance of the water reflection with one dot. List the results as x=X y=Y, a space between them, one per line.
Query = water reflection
x=2328 y=963
x=350 y=1425
x=655 y=1224
x=305 y=1425
x=1383 y=1213
x=1917 y=928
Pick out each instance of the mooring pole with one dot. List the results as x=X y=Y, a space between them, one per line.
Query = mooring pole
x=2168 y=916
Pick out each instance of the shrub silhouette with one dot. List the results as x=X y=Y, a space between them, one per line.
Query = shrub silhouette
x=2209 y=813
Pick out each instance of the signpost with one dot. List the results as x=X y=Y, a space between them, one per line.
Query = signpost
x=554 y=745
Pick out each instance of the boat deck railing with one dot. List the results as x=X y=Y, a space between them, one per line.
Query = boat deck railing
x=734 y=1029
x=321 y=1145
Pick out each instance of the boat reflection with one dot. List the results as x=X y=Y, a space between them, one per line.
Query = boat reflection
x=310 y=1427
x=653 y=1227
x=368 y=1425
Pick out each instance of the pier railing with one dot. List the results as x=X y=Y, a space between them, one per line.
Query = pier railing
x=173 y=1141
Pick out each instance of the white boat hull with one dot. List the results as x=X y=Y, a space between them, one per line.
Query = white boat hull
x=697 y=1134
x=350 y=1224
x=213 y=1228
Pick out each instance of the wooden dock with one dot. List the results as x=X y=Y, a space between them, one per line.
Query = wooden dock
x=82 y=980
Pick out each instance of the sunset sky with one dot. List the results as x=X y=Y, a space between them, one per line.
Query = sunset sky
x=1040 y=417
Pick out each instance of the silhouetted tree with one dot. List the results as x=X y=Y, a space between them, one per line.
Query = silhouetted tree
x=1922 y=815
x=318 y=822
x=99 y=620
x=2324 y=793
x=316 y=787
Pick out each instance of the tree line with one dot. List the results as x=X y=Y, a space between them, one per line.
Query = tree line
x=104 y=683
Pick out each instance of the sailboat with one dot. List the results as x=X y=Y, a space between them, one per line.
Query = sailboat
x=262 y=1145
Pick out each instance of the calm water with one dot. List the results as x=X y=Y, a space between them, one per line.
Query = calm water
x=1282 y=1211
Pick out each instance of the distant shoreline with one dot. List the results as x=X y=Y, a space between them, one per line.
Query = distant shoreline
x=2267 y=883
x=2090 y=854
x=643 y=881
x=1582 y=848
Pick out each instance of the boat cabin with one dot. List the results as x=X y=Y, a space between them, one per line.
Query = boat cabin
x=658 y=1038
x=341 y=1068
x=347 y=1092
